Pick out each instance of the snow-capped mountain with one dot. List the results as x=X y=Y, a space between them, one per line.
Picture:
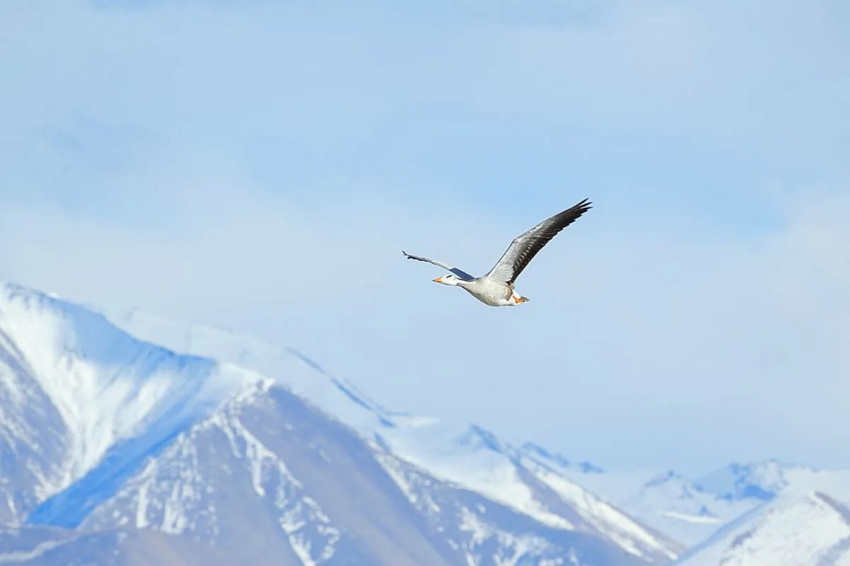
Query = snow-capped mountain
x=542 y=455
x=757 y=514
x=806 y=524
x=253 y=454
x=664 y=501
x=126 y=438
x=759 y=481
x=77 y=395
x=686 y=510
x=464 y=454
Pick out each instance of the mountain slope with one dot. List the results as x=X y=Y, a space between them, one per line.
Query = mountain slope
x=312 y=495
x=46 y=546
x=78 y=394
x=489 y=533
x=687 y=510
x=803 y=526
x=102 y=432
x=464 y=454
x=760 y=481
x=320 y=495
x=666 y=501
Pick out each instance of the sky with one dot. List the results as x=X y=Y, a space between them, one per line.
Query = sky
x=260 y=165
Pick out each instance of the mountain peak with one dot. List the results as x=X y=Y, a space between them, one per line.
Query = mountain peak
x=795 y=528
x=663 y=478
x=477 y=436
x=539 y=451
x=758 y=480
x=106 y=386
x=185 y=440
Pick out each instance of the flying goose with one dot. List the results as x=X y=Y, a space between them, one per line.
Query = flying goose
x=496 y=288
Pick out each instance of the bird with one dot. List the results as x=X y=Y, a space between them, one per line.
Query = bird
x=496 y=287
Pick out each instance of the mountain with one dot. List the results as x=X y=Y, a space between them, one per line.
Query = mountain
x=78 y=396
x=48 y=546
x=664 y=501
x=685 y=509
x=760 y=481
x=547 y=457
x=806 y=524
x=756 y=514
x=466 y=455
x=212 y=447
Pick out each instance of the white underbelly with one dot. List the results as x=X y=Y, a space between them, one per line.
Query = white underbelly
x=491 y=293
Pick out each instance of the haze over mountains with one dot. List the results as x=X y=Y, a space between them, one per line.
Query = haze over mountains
x=126 y=438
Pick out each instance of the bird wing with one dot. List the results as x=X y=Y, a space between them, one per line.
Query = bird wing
x=525 y=246
x=461 y=274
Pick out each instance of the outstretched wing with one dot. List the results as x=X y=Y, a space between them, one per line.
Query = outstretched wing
x=525 y=246
x=461 y=274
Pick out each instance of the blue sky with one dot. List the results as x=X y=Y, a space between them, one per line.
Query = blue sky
x=260 y=165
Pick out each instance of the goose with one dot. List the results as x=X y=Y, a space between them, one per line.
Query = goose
x=496 y=287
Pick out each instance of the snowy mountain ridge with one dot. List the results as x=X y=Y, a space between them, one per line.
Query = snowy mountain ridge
x=761 y=480
x=465 y=454
x=805 y=524
x=145 y=433
x=690 y=510
x=109 y=390
x=469 y=455
x=103 y=430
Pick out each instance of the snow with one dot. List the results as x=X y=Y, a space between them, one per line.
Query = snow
x=807 y=524
x=691 y=518
x=144 y=396
x=458 y=452
x=142 y=500
x=472 y=458
x=257 y=454
x=411 y=435
x=10 y=502
x=297 y=513
x=761 y=480
x=174 y=519
x=107 y=386
x=41 y=549
x=334 y=396
x=122 y=400
x=465 y=456
x=603 y=516
x=396 y=471
x=793 y=532
x=171 y=493
x=293 y=522
x=515 y=547
x=666 y=501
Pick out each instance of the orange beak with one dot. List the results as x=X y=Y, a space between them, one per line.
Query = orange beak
x=438 y=280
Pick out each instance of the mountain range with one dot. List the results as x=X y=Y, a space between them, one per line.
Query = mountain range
x=126 y=438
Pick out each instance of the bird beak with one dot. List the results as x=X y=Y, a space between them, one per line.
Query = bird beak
x=438 y=280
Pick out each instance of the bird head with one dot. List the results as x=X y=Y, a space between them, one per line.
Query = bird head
x=448 y=279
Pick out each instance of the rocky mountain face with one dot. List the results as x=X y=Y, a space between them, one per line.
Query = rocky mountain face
x=115 y=449
x=127 y=439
